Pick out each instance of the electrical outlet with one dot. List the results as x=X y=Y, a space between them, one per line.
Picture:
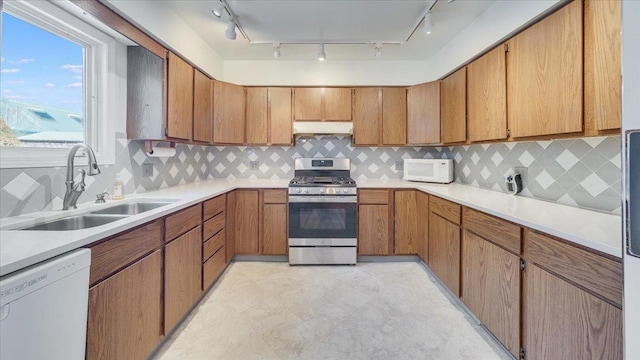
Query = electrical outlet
x=524 y=174
x=147 y=170
x=400 y=165
x=254 y=165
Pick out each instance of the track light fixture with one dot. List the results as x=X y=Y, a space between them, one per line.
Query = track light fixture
x=428 y=23
x=276 y=50
x=231 y=29
x=321 y=54
x=217 y=11
x=378 y=49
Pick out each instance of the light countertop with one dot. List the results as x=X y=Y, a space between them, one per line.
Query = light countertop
x=19 y=249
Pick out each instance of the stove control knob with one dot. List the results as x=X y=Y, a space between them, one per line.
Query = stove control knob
x=306 y=191
x=298 y=191
x=322 y=191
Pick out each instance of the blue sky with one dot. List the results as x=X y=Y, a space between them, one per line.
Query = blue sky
x=39 y=67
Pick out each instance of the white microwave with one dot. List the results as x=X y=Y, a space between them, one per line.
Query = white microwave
x=429 y=170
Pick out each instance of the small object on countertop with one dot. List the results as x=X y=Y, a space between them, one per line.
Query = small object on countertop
x=514 y=184
x=118 y=188
x=100 y=197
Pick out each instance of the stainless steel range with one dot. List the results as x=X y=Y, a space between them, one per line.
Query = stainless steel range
x=323 y=213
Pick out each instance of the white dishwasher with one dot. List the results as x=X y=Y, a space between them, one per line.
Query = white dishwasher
x=43 y=309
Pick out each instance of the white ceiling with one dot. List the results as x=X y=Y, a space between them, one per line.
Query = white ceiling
x=329 y=21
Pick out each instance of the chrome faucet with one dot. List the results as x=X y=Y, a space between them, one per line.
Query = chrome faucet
x=75 y=190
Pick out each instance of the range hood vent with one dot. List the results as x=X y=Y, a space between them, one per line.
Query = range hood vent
x=322 y=127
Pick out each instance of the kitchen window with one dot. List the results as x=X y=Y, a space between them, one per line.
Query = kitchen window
x=56 y=78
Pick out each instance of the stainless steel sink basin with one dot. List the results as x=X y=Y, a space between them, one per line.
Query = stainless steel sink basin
x=131 y=208
x=76 y=222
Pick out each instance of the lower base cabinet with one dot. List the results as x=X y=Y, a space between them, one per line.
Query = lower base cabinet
x=124 y=317
x=213 y=267
x=274 y=235
x=373 y=230
x=444 y=251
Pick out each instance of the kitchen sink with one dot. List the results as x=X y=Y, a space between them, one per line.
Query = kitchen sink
x=77 y=222
x=131 y=208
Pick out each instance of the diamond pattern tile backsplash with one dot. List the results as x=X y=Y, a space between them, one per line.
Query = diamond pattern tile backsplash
x=583 y=172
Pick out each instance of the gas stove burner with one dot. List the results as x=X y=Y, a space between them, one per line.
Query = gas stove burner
x=322 y=181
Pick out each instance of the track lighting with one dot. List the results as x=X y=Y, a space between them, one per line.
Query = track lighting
x=276 y=50
x=378 y=49
x=231 y=29
x=428 y=23
x=217 y=12
x=321 y=54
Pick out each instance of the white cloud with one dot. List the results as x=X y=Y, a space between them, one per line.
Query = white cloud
x=49 y=85
x=10 y=71
x=22 y=61
x=75 y=85
x=76 y=69
x=15 y=82
x=6 y=90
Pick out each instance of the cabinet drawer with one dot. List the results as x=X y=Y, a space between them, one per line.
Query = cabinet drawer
x=373 y=196
x=212 y=245
x=275 y=196
x=212 y=268
x=446 y=209
x=598 y=274
x=112 y=255
x=214 y=207
x=182 y=221
x=499 y=231
x=212 y=226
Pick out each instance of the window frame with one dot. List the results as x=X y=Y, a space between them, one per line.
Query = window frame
x=99 y=69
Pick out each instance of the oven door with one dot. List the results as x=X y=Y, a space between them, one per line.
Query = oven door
x=322 y=220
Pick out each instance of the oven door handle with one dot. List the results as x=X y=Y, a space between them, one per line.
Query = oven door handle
x=323 y=199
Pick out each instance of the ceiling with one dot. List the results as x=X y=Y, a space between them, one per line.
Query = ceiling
x=366 y=22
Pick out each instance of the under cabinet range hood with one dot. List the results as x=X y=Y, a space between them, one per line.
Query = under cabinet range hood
x=322 y=128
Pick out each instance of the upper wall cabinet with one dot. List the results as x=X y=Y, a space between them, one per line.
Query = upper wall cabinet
x=202 y=107
x=423 y=114
x=179 y=98
x=602 y=66
x=145 y=94
x=545 y=76
x=453 y=107
x=487 y=97
x=269 y=116
x=380 y=116
x=322 y=104
x=228 y=113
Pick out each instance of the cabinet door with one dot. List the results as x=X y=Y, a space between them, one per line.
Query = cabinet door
x=367 y=106
x=179 y=98
x=202 y=107
x=145 y=94
x=423 y=225
x=373 y=230
x=124 y=317
x=337 y=104
x=394 y=116
x=491 y=288
x=182 y=276
x=280 y=117
x=257 y=110
x=406 y=236
x=230 y=242
x=562 y=321
x=228 y=113
x=544 y=72
x=307 y=103
x=423 y=114
x=602 y=64
x=454 y=107
x=444 y=251
x=246 y=222
x=274 y=236
x=487 y=96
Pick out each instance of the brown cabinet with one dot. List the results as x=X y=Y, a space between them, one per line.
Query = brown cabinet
x=423 y=225
x=179 y=98
x=544 y=72
x=380 y=116
x=375 y=217
x=214 y=239
x=602 y=66
x=406 y=231
x=125 y=312
x=444 y=242
x=245 y=213
x=487 y=96
x=453 y=107
x=182 y=276
x=269 y=117
x=322 y=104
x=202 y=107
x=423 y=114
x=228 y=113
x=274 y=222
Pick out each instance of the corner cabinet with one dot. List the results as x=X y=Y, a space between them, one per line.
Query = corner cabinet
x=544 y=72
x=411 y=232
x=444 y=242
x=423 y=114
x=453 y=107
x=228 y=113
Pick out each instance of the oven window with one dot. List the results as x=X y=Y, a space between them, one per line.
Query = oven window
x=323 y=219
